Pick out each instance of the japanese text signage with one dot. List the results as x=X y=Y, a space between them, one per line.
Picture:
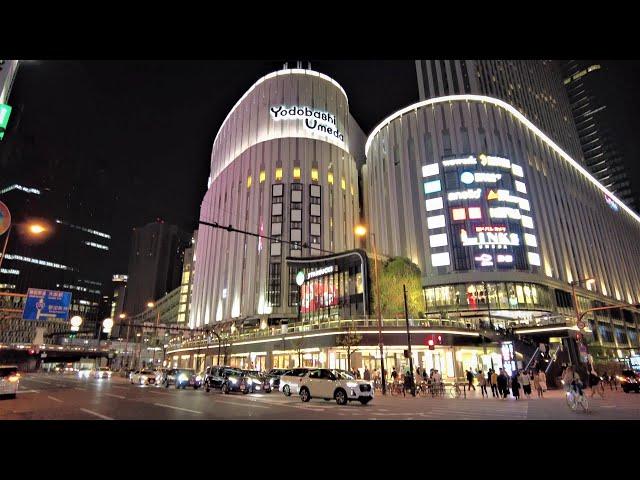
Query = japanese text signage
x=46 y=305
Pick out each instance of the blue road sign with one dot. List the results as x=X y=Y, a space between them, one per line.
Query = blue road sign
x=46 y=305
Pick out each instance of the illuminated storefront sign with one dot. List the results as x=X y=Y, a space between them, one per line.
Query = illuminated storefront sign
x=486 y=260
x=5 y=112
x=517 y=170
x=430 y=170
x=322 y=271
x=465 y=195
x=505 y=212
x=506 y=196
x=479 y=177
x=432 y=186
x=490 y=239
x=488 y=160
x=434 y=204
x=315 y=120
x=456 y=162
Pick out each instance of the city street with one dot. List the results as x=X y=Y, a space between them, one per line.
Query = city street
x=65 y=397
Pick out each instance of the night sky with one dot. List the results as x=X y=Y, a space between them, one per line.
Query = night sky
x=133 y=139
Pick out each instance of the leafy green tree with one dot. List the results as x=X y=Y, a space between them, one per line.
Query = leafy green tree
x=349 y=340
x=394 y=273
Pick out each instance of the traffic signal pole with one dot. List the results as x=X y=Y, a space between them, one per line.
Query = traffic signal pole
x=406 y=316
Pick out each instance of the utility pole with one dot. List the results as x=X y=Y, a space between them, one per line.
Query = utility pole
x=406 y=317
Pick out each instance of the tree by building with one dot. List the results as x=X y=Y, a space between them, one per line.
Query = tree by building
x=349 y=340
x=394 y=273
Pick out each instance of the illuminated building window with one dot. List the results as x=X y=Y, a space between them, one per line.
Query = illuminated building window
x=278 y=173
x=520 y=187
x=249 y=181
x=314 y=174
x=439 y=240
x=343 y=184
x=88 y=230
x=527 y=222
x=434 y=204
x=459 y=214
x=440 y=259
x=436 y=221
x=296 y=173
x=263 y=176
x=430 y=170
x=330 y=178
x=530 y=240
x=97 y=245
x=432 y=186
x=475 y=213
x=534 y=258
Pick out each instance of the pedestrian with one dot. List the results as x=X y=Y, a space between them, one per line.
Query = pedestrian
x=470 y=379
x=424 y=374
x=596 y=384
x=542 y=378
x=407 y=384
x=503 y=382
x=482 y=381
x=494 y=383
x=394 y=374
x=525 y=380
x=515 y=385
x=367 y=374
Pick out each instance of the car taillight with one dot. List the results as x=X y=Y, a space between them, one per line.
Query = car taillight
x=14 y=378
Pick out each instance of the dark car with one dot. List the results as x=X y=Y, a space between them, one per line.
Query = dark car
x=253 y=381
x=182 y=378
x=274 y=377
x=629 y=381
x=214 y=377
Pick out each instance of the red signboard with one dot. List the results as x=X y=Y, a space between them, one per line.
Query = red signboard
x=491 y=228
x=5 y=218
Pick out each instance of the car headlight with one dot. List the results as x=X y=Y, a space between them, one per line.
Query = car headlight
x=143 y=378
x=182 y=377
x=271 y=381
x=233 y=380
x=198 y=378
x=352 y=384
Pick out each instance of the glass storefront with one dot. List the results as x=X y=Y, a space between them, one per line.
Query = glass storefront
x=495 y=295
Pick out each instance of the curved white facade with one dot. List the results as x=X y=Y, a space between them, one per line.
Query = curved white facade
x=280 y=166
x=571 y=229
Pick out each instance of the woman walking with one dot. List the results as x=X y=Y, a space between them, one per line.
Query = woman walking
x=525 y=381
x=515 y=385
x=482 y=381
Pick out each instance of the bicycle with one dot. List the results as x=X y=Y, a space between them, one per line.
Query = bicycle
x=576 y=398
x=454 y=391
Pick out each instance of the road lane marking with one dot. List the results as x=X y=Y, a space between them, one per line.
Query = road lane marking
x=28 y=379
x=104 y=417
x=245 y=404
x=115 y=396
x=28 y=391
x=177 y=408
x=54 y=399
x=79 y=388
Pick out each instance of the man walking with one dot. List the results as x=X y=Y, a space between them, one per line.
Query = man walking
x=470 y=380
x=503 y=382
x=493 y=378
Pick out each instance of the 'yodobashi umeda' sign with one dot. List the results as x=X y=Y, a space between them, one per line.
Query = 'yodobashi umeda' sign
x=317 y=121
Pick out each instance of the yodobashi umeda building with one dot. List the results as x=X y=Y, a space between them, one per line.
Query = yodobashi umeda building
x=283 y=165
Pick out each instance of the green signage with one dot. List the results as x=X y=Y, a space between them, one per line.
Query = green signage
x=5 y=111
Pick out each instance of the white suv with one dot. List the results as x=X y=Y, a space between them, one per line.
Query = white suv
x=328 y=384
x=290 y=381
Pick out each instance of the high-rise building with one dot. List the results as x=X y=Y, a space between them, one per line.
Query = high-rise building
x=8 y=71
x=48 y=249
x=533 y=87
x=155 y=264
x=601 y=154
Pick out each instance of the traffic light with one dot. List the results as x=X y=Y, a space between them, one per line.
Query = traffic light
x=431 y=345
x=439 y=339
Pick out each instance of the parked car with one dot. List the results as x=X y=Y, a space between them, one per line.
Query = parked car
x=232 y=380
x=101 y=372
x=274 y=377
x=253 y=381
x=629 y=381
x=9 y=381
x=143 y=377
x=84 y=372
x=327 y=384
x=215 y=376
x=291 y=379
x=182 y=378
x=160 y=374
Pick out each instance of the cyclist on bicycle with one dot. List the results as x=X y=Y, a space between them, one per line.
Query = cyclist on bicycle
x=572 y=381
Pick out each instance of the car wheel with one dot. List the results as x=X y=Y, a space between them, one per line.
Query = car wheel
x=225 y=388
x=286 y=390
x=305 y=395
x=340 y=396
x=364 y=401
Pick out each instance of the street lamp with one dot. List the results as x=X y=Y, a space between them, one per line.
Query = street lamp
x=579 y=281
x=361 y=231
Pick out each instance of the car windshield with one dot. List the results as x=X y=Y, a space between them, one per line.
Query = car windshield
x=343 y=375
x=628 y=373
x=233 y=372
x=252 y=373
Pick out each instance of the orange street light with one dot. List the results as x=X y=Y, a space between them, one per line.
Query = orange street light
x=36 y=229
x=360 y=230
x=122 y=315
x=151 y=305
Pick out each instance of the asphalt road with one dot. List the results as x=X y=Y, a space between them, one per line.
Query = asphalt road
x=66 y=397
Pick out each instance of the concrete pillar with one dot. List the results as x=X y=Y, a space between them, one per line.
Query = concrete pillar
x=269 y=361
x=356 y=360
